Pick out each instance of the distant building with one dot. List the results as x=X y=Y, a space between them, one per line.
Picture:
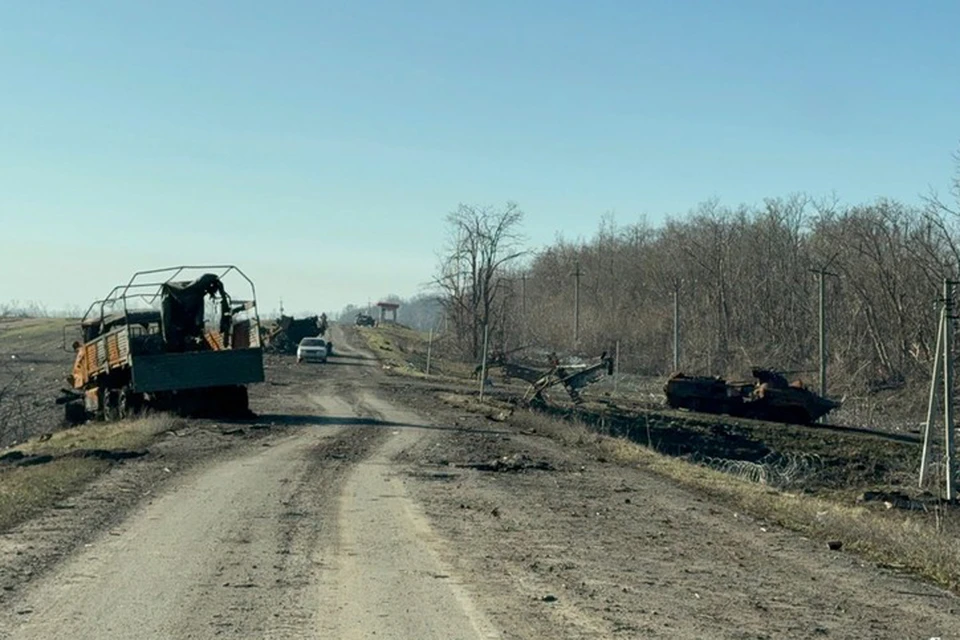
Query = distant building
x=388 y=308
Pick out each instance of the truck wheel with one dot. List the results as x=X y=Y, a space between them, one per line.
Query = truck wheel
x=75 y=413
x=130 y=403
x=111 y=405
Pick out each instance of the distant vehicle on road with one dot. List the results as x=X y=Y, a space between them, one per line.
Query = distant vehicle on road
x=312 y=350
x=364 y=320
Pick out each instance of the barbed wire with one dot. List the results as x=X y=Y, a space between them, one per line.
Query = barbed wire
x=780 y=470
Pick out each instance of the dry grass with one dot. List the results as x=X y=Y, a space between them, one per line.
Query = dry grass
x=403 y=350
x=925 y=543
x=46 y=328
x=112 y=436
x=26 y=490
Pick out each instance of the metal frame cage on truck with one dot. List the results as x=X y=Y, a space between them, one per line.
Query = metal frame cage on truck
x=169 y=339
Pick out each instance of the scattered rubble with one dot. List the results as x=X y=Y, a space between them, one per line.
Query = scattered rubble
x=515 y=463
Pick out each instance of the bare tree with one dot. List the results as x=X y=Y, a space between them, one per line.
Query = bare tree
x=482 y=242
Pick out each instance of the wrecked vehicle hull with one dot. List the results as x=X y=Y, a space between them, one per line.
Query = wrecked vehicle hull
x=193 y=350
x=769 y=398
x=287 y=332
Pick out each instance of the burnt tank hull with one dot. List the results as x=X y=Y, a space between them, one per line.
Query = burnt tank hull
x=769 y=397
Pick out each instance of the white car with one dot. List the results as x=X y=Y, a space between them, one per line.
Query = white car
x=312 y=350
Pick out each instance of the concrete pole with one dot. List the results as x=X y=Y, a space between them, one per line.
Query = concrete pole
x=823 y=336
x=429 y=349
x=483 y=364
x=676 y=327
x=934 y=381
x=576 y=306
x=822 y=273
x=616 y=367
x=523 y=297
x=948 y=386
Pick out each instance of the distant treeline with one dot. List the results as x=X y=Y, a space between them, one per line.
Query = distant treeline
x=748 y=289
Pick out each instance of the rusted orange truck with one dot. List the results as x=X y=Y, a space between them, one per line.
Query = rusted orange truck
x=171 y=340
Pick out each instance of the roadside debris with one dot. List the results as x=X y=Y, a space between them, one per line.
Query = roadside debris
x=572 y=377
x=516 y=463
x=18 y=458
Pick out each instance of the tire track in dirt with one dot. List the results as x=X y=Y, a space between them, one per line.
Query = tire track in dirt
x=389 y=580
x=230 y=552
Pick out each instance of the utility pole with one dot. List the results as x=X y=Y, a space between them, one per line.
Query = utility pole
x=948 y=385
x=616 y=367
x=576 y=305
x=503 y=313
x=523 y=308
x=523 y=297
x=931 y=403
x=483 y=364
x=944 y=349
x=821 y=282
x=676 y=325
x=429 y=349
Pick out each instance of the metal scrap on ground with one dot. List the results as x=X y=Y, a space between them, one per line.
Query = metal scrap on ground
x=572 y=377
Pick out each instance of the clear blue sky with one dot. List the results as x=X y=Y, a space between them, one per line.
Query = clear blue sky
x=319 y=144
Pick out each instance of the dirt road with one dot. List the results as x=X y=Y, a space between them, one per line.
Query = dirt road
x=362 y=518
x=312 y=536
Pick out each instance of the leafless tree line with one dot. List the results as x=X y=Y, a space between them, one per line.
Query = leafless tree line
x=747 y=287
x=746 y=282
x=34 y=309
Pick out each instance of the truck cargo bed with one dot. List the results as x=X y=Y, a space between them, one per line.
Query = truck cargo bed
x=196 y=369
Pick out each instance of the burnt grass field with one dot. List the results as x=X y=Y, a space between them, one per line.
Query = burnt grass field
x=812 y=458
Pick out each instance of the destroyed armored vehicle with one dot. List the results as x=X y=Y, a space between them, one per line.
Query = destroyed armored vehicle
x=288 y=332
x=169 y=344
x=769 y=397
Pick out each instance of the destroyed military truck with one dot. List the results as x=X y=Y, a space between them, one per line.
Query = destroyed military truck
x=166 y=343
x=769 y=397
